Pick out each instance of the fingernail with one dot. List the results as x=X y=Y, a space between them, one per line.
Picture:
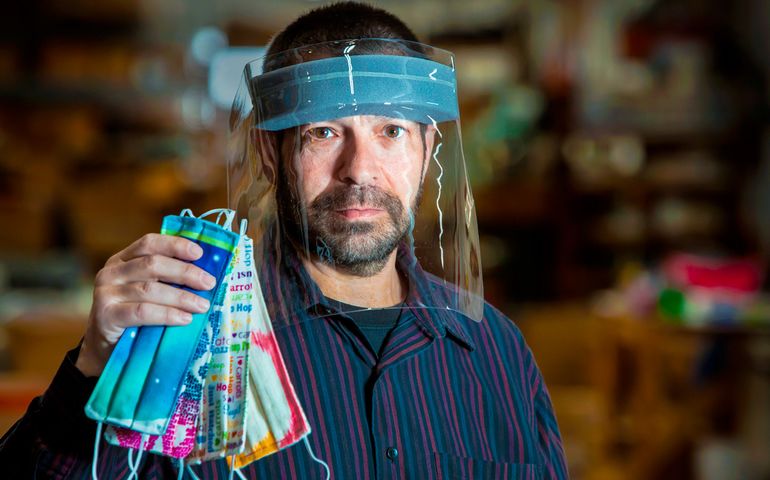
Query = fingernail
x=202 y=303
x=185 y=317
x=209 y=281
x=195 y=250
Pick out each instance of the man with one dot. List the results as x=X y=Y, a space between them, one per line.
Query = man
x=395 y=378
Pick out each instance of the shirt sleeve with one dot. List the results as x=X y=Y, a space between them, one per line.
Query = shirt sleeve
x=549 y=438
x=54 y=435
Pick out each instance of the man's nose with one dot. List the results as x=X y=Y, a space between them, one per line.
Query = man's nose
x=358 y=164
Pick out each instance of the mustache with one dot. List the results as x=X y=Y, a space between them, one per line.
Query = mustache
x=344 y=197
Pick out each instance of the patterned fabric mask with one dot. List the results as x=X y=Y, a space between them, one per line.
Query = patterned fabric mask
x=274 y=418
x=220 y=426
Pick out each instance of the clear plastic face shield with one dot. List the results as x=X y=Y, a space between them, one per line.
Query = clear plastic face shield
x=348 y=154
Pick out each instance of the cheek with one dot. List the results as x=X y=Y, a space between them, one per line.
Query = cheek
x=314 y=174
x=405 y=178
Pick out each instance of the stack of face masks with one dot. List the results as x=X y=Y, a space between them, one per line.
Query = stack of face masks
x=215 y=388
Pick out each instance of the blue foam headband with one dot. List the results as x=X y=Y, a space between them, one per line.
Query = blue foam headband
x=394 y=86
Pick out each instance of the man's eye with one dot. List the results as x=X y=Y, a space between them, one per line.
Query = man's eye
x=319 y=133
x=394 y=131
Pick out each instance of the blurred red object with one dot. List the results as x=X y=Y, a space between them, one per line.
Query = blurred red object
x=736 y=275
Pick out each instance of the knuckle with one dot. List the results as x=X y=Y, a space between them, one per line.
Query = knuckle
x=193 y=273
x=181 y=242
x=152 y=263
x=101 y=277
x=109 y=313
x=107 y=316
x=141 y=311
x=101 y=298
x=146 y=242
x=183 y=247
x=189 y=299
x=113 y=259
x=100 y=291
x=145 y=289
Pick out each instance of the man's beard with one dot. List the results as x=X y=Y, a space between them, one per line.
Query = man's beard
x=358 y=247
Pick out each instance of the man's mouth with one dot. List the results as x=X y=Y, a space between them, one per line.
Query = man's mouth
x=360 y=212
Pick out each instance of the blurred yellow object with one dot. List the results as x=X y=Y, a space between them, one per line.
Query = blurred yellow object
x=626 y=394
x=37 y=342
x=16 y=391
x=567 y=341
x=108 y=212
x=160 y=184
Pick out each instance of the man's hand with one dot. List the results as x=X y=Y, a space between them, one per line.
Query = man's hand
x=132 y=289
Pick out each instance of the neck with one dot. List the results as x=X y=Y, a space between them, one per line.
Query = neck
x=383 y=289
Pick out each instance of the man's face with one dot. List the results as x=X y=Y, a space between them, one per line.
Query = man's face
x=349 y=187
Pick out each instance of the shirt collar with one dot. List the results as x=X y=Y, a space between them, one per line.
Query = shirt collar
x=428 y=296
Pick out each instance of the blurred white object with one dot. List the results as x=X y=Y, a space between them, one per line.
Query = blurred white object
x=206 y=43
x=225 y=72
x=720 y=459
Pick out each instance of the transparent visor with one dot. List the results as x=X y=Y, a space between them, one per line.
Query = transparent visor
x=346 y=159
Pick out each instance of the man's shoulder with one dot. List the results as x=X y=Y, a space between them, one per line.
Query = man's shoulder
x=500 y=325
x=493 y=321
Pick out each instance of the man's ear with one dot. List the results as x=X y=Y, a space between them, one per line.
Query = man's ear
x=267 y=148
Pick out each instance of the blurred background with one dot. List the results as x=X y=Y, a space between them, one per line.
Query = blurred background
x=619 y=152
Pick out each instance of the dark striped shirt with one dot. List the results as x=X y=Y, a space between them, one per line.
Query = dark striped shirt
x=447 y=398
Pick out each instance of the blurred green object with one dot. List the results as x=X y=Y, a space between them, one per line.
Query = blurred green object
x=672 y=304
x=499 y=137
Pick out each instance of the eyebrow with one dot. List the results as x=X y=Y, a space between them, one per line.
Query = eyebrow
x=393 y=119
x=377 y=119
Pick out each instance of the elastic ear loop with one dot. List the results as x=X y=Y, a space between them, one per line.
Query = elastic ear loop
x=229 y=216
x=192 y=473
x=186 y=213
x=96 y=450
x=211 y=212
x=234 y=470
x=180 y=475
x=240 y=475
x=131 y=466
x=134 y=465
x=244 y=225
x=316 y=459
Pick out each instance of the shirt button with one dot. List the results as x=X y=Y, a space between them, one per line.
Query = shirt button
x=392 y=453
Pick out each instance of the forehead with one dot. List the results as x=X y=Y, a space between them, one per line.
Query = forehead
x=363 y=120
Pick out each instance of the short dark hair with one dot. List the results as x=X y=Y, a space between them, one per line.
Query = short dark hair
x=336 y=22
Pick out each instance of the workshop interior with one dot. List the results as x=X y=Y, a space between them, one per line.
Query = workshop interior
x=618 y=153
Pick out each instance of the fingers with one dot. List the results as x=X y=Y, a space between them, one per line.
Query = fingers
x=160 y=294
x=158 y=244
x=129 y=291
x=116 y=307
x=156 y=268
x=134 y=314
